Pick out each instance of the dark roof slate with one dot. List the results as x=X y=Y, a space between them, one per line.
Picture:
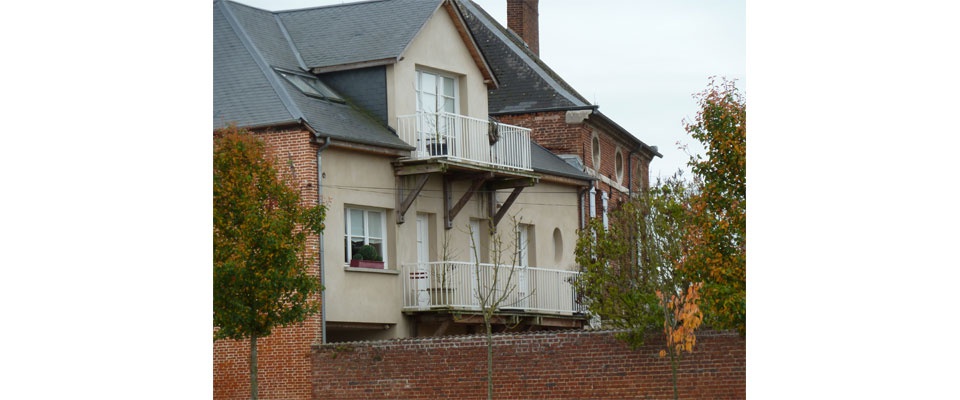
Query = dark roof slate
x=241 y=92
x=548 y=163
x=249 y=92
x=526 y=83
x=358 y=32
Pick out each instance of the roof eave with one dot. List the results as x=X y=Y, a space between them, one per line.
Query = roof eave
x=602 y=119
x=466 y=36
x=354 y=65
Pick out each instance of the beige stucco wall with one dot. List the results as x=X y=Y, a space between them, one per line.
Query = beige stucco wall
x=357 y=179
x=367 y=181
x=437 y=48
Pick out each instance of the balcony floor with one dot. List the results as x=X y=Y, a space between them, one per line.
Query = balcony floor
x=452 y=165
x=437 y=322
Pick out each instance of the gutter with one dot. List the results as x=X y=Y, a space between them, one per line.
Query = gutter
x=323 y=292
x=548 y=109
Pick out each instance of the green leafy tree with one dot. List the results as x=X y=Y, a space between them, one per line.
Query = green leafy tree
x=717 y=236
x=260 y=229
x=631 y=271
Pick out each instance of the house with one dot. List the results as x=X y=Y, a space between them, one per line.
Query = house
x=382 y=111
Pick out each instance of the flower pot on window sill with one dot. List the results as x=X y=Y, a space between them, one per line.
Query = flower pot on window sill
x=366 y=264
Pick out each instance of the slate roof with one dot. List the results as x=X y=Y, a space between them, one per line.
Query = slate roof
x=548 y=163
x=248 y=44
x=359 y=32
x=526 y=83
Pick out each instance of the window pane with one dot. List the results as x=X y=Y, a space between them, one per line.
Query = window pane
x=356 y=222
x=428 y=83
x=448 y=87
x=448 y=105
x=377 y=245
x=355 y=244
x=373 y=224
x=429 y=103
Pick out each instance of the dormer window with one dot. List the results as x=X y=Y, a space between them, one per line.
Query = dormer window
x=311 y=86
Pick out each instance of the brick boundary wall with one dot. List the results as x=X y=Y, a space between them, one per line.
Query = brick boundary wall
x=556 y=365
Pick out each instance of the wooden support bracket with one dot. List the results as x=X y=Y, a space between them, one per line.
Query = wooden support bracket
x=404 y=204
x=506 y=205
x=450 y=211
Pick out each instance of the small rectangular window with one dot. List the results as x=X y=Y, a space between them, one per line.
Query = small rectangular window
x=364 y=227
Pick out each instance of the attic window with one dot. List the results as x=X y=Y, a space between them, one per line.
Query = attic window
x=311 y=86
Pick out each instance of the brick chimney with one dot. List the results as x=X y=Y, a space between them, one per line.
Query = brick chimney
x=523 y=19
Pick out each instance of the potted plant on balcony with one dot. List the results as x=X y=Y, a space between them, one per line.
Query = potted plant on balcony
x=367 y=257
x=438 y=144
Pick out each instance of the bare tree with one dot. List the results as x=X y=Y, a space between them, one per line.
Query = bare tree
x=493 y=289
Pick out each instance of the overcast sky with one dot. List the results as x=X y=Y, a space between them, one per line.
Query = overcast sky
x=639 y=60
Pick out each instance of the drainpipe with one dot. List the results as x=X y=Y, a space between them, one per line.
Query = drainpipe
x=606 y=223
x=323 y=293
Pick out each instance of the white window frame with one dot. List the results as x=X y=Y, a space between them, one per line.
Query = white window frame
x=439 y=129
x=348 y=234
x=438 y=89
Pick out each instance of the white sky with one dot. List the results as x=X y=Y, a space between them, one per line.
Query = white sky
x=640 y=60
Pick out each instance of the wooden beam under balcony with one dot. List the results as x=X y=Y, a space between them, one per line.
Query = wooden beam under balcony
x=496 y=217
x=404 y=203
x=450 y=212
x=421 y=168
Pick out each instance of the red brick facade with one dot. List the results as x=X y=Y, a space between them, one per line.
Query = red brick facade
x=551 y=130
x=284 y=356
x=568 y=364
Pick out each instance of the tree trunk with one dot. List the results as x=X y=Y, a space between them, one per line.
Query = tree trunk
x=253 y=367
x=486 y=321
x=673 y=366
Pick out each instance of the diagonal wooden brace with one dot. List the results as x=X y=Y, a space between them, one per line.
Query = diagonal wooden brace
x=451 y=212
x=408 y=201
x=506 y=205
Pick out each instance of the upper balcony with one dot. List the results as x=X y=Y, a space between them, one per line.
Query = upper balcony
x=466 y=140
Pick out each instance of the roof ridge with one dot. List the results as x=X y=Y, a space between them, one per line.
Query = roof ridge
x=354 y=3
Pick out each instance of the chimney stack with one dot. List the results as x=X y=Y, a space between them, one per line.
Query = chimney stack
x=523 y=19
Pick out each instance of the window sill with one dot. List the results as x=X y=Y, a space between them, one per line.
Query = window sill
x=371 y=270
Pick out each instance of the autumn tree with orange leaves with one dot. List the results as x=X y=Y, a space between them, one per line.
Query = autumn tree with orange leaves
x=631 y=275
x=717 y=234
x=260 y=229
x=674 y=258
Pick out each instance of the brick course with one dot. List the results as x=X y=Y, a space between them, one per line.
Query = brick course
x=567 y=364
x=550 y=130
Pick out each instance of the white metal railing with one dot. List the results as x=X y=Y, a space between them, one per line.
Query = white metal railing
x=465 y=138
x=456 y=285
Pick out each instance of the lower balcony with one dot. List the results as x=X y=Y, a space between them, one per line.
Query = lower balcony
x=453 y=286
